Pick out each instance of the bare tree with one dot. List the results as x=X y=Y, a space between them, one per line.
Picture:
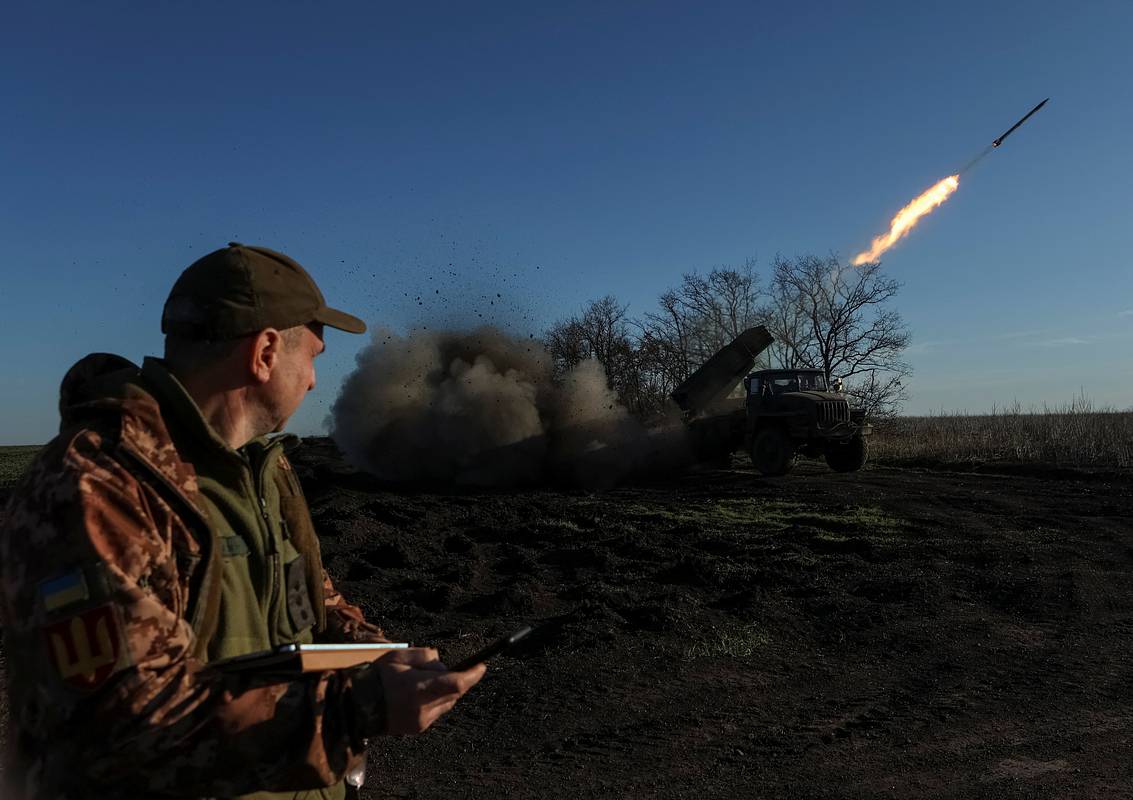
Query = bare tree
x=666 y=339
x=832 y=317
x=823 y=316
x=602 y=332
x=786 y=318
x=699 y=317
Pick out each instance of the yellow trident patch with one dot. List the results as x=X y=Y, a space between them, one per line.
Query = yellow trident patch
x=85 y=648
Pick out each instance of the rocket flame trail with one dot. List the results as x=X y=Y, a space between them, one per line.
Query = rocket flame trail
x=908 y=217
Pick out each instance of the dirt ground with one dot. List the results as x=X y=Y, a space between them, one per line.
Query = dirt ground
x=892 y=633
x=900 y=632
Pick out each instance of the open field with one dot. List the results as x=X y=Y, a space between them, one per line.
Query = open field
x=1074 y=435
x=891 y=633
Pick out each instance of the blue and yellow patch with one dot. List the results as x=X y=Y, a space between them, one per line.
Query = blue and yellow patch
x=65 y=591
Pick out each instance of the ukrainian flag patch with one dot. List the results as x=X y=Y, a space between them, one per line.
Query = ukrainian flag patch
x=64 y=591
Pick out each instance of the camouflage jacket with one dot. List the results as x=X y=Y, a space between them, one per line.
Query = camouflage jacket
x=108 y=576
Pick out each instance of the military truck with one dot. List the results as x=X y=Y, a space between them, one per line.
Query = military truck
x=782 y=413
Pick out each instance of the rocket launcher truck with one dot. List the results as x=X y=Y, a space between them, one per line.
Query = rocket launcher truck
x=782 y=414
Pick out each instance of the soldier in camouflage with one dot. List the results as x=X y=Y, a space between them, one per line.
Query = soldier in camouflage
x=164 y=529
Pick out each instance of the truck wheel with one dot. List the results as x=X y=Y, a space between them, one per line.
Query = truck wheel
x=773 y=452
x=848 y=457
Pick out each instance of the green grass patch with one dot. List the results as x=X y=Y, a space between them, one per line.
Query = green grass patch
x=767 y=516
x=14 y=460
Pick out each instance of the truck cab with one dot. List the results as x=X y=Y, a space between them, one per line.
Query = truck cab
x=775 y=382
x=796 y=412
x=778 y=391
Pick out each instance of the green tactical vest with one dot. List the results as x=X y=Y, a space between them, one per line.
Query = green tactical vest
x=270 y=570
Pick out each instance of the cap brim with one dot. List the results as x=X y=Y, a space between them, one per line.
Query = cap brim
x=340 y=319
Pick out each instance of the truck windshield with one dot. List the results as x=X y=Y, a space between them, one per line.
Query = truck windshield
x=814 y=382
x=794 y=382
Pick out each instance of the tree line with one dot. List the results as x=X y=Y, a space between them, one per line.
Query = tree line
x=823 y=315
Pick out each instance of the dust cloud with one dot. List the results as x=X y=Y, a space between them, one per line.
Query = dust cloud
x=482 y=407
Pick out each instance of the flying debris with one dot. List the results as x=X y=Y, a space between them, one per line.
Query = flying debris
x=1011 y=130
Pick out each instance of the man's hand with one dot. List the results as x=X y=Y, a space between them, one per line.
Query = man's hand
x=418 y=688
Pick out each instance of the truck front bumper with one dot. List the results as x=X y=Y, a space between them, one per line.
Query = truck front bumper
x=843 y=430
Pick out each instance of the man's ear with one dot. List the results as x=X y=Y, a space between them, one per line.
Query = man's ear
x=264 y=354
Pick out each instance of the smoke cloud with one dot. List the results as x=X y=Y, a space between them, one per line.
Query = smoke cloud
x=481 y=407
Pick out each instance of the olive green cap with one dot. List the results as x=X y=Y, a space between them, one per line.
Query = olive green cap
x=242 y=289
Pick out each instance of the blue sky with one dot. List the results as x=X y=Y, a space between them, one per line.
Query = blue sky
x=421 y=159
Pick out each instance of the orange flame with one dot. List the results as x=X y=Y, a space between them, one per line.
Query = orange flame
x=908 y=217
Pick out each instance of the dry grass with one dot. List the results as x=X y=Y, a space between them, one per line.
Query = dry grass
x=1077 y=434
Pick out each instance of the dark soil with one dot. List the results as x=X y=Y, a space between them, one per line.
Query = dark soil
x=897 y=632
x=891 y=633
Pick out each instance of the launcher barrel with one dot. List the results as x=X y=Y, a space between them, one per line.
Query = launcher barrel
x=720 y=374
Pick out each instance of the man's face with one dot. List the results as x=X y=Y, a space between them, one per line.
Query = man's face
x=294 y=375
